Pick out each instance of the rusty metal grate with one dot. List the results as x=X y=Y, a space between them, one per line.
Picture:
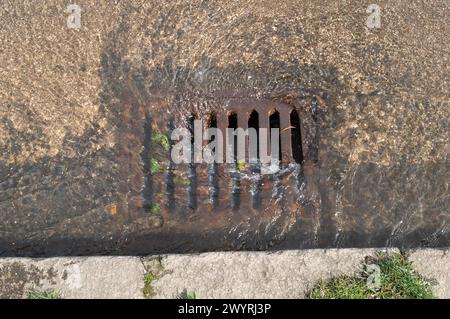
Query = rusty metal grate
x=216 y=187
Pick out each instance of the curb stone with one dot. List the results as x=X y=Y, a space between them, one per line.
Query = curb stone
x=283 y=274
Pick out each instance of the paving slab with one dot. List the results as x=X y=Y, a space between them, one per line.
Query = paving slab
x=435 y=265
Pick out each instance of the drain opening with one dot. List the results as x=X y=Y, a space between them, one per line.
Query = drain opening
x=212 y=123
x=233 y=166
x=255 y=165
x=170 y=176
x=213 y=179
x=253 y=122
x=147 y=192
x=192 y=171
x=296 y=137
x=274 y=122
x=233 y=124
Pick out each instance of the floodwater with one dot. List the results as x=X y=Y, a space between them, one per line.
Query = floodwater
x=368 y=168
x=228 y=206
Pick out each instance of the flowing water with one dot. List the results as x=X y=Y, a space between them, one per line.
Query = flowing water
x=368 y=166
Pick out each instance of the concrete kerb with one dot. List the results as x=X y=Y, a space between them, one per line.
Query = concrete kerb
x=283 y=274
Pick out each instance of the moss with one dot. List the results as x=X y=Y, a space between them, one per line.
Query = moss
x=398 y=280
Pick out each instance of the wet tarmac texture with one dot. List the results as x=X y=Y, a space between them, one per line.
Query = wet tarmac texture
x=364 y=163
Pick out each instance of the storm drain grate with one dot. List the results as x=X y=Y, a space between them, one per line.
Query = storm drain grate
x=229 y=185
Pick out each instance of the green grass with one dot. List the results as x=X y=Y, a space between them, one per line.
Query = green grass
x=191 y=295
x=398 y=280
x=34 y=293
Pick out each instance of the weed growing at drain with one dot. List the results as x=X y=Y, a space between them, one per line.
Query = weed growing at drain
x=149 y=277
x=155 y=166
x=162 y=139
